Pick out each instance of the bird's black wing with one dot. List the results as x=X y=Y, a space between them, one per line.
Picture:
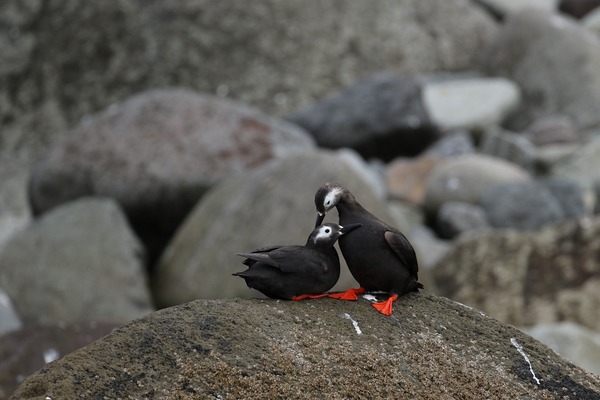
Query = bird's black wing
x=267 y=249
x=403 y=249
x=259 y=255
x=292 y=259
x=252 y=258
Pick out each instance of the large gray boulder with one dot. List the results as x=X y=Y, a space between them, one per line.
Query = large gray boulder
x=275 y=55
x=430 y=348
x=157 y=153
x=521 y=205
x=381 y=117
x=456 y=103
x=80 y=262
x=465 y=178
x=548 y=275
x=554 y=61
x=273 y=204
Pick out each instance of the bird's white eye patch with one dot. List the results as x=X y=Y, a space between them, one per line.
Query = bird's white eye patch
x=323 y=233
x=332 y=197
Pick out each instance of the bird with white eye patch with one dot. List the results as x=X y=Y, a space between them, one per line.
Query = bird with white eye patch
x=378 y=255
x=297 y=272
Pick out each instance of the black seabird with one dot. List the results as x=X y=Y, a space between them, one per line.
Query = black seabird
x=378 y=255
x=296 y=272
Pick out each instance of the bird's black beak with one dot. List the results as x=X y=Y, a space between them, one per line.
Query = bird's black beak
x=349 y=227
x=320 y=218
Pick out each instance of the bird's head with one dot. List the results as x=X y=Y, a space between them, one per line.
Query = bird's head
x=327 y=197
x=327 y=234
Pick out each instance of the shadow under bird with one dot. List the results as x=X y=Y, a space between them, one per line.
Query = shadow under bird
x=378 y=255
x=297 y=272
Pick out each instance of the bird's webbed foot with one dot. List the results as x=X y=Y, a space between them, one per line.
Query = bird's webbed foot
x=385 y=307
x=309 y=296
x=350 y=294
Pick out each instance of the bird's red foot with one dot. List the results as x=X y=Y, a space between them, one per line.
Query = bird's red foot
x=309 y=296
x=350 y=294
x=385 y=307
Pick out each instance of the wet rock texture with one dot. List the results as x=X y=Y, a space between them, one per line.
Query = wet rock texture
x=430 y=348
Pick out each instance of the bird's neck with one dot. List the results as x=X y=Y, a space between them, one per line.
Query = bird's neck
x=348 y=205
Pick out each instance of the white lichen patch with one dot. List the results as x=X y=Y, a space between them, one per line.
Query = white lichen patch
x=522 y=352
x=471 y=308
x=356 y=327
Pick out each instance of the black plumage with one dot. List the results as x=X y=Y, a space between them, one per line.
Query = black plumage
x=296 y=272
x=378 y=255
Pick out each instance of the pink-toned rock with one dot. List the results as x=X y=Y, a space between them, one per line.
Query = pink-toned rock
x=157 y=153
x=407 y=178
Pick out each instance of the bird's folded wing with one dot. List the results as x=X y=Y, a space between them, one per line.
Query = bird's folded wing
x=259 y=257
x=297 y=260
x=403 y=249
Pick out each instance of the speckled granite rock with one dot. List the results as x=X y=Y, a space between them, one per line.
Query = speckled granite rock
x=430 y=348
x=548 y=275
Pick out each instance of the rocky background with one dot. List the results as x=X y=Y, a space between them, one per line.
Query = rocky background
x=143 y=144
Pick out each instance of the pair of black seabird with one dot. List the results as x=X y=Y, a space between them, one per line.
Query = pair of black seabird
x=379 y=256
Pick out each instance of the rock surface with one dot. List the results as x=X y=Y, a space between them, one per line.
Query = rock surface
x=9 y=320
x=407 y=177
x=592 y=21
x=466 y=178
x=551 y=130
x=572 y=341
x=83 y=56
x=80 y=262
x=583 y=165
x=382 y=117
x=456 y=104
x=534 y=48
x=578 y=8
x=47 y=86
x=14 y=207
x=575 y=201
x=455 y=218
x=25 y=351
x=452 y=144
x=521 y=205
x=430 y=348
x=548 y=275
x=267 y=206
x=505 y=7
x=510 y=146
